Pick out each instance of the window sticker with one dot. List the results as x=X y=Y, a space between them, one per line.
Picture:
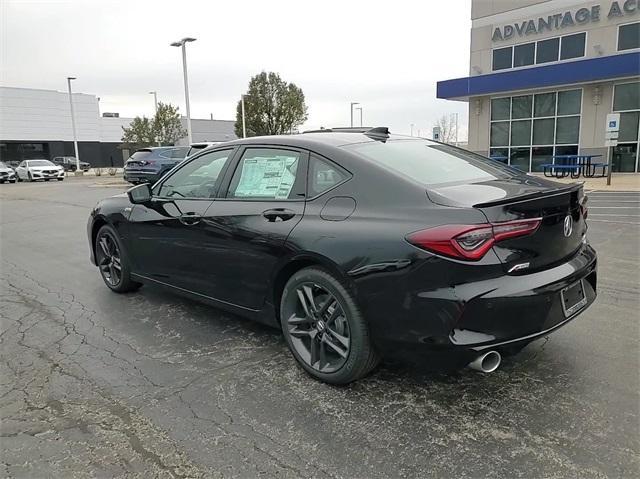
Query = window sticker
x=267 y=177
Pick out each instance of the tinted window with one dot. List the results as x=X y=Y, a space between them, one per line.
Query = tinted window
x=547 y=50
x=521 y=106
x=569 y=102
x=140 y=155
x=523 y=54
x=502 y=58
x=545 y=104
x=629 y=36
x=500 y=108
x=626 y=97
x=179 y=152
x=265 y=173
x=323 y=175
x=199 y=178
x=430 y=163
x=572 y=46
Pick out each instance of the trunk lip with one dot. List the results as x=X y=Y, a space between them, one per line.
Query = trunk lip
x=564 y=189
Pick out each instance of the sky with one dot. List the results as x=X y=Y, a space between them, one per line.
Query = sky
x=387 y=55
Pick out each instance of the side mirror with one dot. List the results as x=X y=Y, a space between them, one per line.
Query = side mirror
x=140 y=194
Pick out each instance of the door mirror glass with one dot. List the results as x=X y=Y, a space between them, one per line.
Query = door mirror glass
x=140 y=194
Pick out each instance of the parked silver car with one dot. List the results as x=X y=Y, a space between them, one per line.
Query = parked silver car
x=33 y=170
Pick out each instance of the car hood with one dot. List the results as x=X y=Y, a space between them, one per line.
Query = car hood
x=41 y=168
x=7 y=170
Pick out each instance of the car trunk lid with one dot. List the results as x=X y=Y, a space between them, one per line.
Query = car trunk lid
x=558 y=206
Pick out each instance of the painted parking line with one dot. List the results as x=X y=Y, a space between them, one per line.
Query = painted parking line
x=615 y=222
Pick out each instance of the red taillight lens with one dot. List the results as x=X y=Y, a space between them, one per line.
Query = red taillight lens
x=470 y=242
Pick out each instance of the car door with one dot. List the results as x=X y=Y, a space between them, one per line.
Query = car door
x=21 y=170
x=263 y=199
x=167 y=235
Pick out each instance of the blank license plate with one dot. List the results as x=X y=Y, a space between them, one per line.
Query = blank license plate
x=573 y=298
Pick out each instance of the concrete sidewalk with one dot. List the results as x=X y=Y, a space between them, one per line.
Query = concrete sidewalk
x=619 y=182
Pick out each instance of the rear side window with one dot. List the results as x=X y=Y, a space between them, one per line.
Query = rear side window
x=324 y=175
x=431 y=163
x=140 y=155
x=266 y=173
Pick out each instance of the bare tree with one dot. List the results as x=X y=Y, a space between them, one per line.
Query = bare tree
x=447 y=125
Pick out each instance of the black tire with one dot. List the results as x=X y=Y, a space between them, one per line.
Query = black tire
x=47 y=179
x=12 y=181
x=117 y=281
x=337 y=311
x=60 y=179
x=30 y=177
x=2 y=181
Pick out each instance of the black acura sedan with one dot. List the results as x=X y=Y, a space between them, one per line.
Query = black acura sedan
x=359 y=245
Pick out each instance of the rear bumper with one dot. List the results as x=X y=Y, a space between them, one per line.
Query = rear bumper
x=481 y=315
x=141 y=176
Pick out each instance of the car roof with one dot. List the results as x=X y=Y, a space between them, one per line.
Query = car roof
x=332 y=137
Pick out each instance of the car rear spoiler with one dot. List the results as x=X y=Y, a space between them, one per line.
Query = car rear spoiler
x=532 y=196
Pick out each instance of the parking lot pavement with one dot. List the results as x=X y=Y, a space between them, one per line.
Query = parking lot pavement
x=153 y=385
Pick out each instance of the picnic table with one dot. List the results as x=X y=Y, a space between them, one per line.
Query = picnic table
x=574 y=165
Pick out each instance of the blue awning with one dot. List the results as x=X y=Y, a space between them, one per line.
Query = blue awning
x=567 y=73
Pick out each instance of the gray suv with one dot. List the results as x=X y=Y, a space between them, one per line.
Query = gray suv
x=148 y=165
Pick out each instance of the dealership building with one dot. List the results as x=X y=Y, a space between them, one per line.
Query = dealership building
x=37 y=124
x=544 y=75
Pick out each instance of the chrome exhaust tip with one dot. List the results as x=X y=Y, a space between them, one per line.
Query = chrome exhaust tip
x=486 y=362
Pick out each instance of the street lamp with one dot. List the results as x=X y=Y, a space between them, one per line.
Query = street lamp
x=73 y=127
x=155 y=104
x=182 y=43
x=411 y=129
x=360 y=108
x=352 y=104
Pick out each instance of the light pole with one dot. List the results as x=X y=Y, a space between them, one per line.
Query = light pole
x=411 y=129
x=244 y=126
x=352 y=105
x=73 y=127
x=155 y=104
x=360 y=108
x=182 y=43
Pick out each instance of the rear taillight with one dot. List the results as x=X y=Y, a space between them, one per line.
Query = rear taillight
x=470 y=242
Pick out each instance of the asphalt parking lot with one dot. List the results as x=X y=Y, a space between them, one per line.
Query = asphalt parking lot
x=94 y=384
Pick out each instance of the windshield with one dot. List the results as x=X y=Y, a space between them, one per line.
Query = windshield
x=40 y=163
x=2 y=165
x=432 y=163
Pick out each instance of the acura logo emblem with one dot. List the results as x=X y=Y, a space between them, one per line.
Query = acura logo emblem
x=568 y=225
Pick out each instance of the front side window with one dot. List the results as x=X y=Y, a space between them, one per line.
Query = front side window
x=267 y=174
x=200 y=178
x=629 y=36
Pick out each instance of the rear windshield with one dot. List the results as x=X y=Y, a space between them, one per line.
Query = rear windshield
x=140 y=154
x=432 y=163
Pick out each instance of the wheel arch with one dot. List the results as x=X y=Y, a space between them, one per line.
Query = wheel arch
x=98 y=223
x=295 y=264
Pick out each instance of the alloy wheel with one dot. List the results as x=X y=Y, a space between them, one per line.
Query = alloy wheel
x=109 y=260
x=318 y=327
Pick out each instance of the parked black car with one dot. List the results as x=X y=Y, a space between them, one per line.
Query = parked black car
x=69 y=163
x=148 y=165
x=358 y=244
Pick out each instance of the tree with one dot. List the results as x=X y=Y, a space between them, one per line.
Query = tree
x=138 y=135
x=163 y=129
x=166 y=125
x=272 y=106
x=448 y=128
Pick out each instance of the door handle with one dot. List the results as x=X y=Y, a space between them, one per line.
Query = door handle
x=278 y=214
x=190 y=219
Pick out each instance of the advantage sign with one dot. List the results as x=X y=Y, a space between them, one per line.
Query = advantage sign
x=612 y=129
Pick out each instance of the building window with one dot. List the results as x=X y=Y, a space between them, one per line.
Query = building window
x=626 y=101
x=502 y=58
x=572 y=46
x=543 y=51
x=529 y=130
x=629 y=36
